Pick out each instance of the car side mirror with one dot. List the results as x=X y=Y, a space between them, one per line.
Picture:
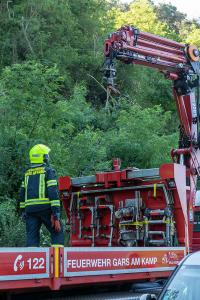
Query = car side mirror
x=148 y=297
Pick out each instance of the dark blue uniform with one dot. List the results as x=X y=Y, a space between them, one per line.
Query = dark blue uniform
x=39 y=199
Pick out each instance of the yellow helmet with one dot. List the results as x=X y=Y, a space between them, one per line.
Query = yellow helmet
x=39 y=154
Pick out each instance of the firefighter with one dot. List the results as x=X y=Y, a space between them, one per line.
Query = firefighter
x=39 y=199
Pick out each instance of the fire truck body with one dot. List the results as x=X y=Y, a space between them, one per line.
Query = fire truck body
x=128 y=208
x=40 y=269
x=124 y=227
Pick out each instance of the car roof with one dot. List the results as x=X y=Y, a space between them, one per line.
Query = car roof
x=193 y=259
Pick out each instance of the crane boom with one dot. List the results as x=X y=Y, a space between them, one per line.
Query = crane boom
x=179 y=62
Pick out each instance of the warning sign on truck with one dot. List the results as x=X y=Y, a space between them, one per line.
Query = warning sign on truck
x=94 y=261
x=24 y=263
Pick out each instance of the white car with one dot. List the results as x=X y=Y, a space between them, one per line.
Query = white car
x=184 y=283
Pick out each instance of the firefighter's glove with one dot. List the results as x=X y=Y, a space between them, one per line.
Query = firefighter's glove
x=55 y=223
x=57 y=226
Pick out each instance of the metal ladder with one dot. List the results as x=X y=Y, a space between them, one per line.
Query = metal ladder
x=157 y=237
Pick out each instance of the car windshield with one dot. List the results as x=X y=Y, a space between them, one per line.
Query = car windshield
x=185 y=285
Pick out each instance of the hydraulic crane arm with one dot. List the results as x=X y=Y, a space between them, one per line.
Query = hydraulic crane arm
x=179 y=62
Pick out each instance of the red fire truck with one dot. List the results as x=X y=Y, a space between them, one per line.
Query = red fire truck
x=126 y=225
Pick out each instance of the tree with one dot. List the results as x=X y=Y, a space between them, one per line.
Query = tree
x=29 y=96
x=168 y=14
x=62 y=32
x=34 y=110
x=191 y=34
x=141 y=14
x=142 y=138
x=11 y=226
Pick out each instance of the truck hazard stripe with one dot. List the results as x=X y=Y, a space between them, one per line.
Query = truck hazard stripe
x=56 y=262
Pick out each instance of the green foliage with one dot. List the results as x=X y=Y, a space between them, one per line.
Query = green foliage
x=51 y=92
x=66 y=33
x=11 y=226
x=146 y=86
x=168 y=14
x=29 y=94
x=87 y=153
x=191 y=34
x=142 y=138
x=141 y=14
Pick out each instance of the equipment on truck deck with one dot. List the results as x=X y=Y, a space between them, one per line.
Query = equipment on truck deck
x=125 y=208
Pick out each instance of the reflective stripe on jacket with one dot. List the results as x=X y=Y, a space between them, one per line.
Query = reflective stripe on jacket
x=39 y=190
